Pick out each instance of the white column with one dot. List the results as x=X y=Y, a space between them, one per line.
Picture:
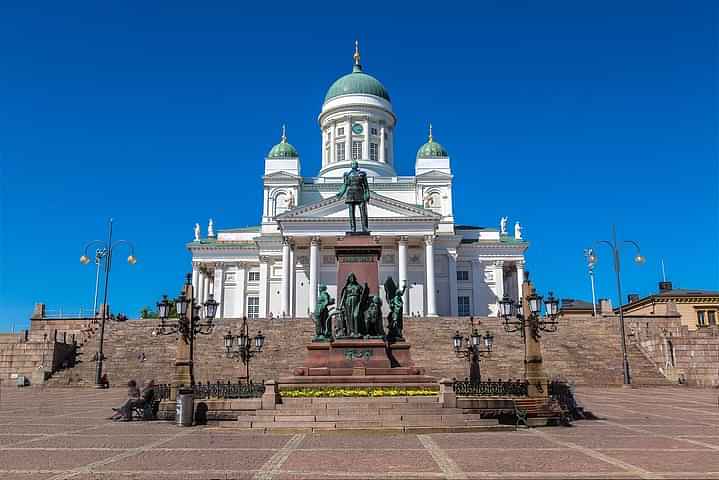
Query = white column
x=381 y=145
x=201 y=286
x=285 y=285
x=520 y=278
x=402 y=251
x=365 y=147
x=293 y=283
x=348 y=139
x=264 y=287
x=206 y=288
x=314 y=271
x=452 y=258
x=219 y=289
x=240 y=290
x=333 y=157
x=429 y=261
x=195 y=278
x=499 y=282
x=477 y=280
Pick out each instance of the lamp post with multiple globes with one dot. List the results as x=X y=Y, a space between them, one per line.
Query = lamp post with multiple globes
x=241 y=346
x=639 y=259
x=525 y=316
x=471 y=348
x=188 y=325
x=104 y=251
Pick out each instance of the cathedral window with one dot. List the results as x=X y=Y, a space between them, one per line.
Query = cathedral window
x=373 y=152
x=373 y=131
x=463 y=275
x=340 y=131
x=356 y=150
x=340 y=152
x=463 y=305
x=253 y=307
x=253 y=277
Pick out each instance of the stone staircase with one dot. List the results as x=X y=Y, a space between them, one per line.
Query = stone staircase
x=642 y=370
x=401 y=414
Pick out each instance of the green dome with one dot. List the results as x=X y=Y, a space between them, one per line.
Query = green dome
x=432 y=149
x=357 y=82
x=283 y=149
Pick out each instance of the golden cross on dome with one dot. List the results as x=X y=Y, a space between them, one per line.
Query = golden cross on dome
x=284 y=135
x=430 y=133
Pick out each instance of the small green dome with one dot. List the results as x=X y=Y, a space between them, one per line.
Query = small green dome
x=357 y=82
x=432 y=149
x=283 y=149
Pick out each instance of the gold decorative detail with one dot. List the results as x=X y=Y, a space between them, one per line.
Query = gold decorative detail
x=430 y=133
x=356 y=56
x=284 y=134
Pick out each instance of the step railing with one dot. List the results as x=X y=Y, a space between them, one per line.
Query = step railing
x=491 y=388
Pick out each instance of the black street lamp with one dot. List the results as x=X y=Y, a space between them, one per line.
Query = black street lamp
x=189 y=329
x=104 y=252
x=639 y=259
x=537 y=322
x=471 y=349
x=241 y=346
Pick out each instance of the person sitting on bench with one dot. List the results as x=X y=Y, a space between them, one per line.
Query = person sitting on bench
x=124 y=412
x=145 y=405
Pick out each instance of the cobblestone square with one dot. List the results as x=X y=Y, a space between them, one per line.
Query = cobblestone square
x=661 y=432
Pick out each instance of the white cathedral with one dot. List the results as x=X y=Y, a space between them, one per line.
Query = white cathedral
x=275 y=268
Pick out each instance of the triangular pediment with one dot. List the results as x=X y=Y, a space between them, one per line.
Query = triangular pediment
x=281 y=175
x=379 y=207
x=434 y=175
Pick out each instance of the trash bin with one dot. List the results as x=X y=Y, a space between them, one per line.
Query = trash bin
x=185 y=408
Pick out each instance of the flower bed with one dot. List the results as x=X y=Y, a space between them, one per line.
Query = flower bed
x=358 y=392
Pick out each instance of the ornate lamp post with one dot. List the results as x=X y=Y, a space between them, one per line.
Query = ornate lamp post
x=104 y=251
x=188 y=324
x=526 y=317
x=534 y=320
x=638 y=259
x=240 y=346
x=471 y=349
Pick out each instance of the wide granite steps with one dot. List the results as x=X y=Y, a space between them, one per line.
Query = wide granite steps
x=383 y=413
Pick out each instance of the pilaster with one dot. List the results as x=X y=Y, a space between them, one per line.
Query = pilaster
x=452 y=259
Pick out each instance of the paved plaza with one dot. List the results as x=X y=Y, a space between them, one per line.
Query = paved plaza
x=668 y=432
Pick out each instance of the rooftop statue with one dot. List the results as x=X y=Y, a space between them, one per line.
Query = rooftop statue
x=356 y=189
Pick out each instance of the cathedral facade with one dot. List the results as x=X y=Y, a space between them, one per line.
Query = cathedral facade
x=275 y=268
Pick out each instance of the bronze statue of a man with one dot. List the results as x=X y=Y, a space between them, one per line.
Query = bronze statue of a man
x=357 y=189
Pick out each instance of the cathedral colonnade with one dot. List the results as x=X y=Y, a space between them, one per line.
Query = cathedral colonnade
x=442 y=280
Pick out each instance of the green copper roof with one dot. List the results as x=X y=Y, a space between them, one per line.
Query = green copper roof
x=357 y=82
x=283 y=149
x=431 y=149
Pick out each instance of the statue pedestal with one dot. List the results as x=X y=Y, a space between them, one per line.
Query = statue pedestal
x=358 y=254
x=358 y=362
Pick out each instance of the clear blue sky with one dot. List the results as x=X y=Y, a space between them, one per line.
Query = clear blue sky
x=568 y=116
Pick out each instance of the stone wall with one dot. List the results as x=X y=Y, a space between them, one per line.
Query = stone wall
x=585 y=349
x=678 y=352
